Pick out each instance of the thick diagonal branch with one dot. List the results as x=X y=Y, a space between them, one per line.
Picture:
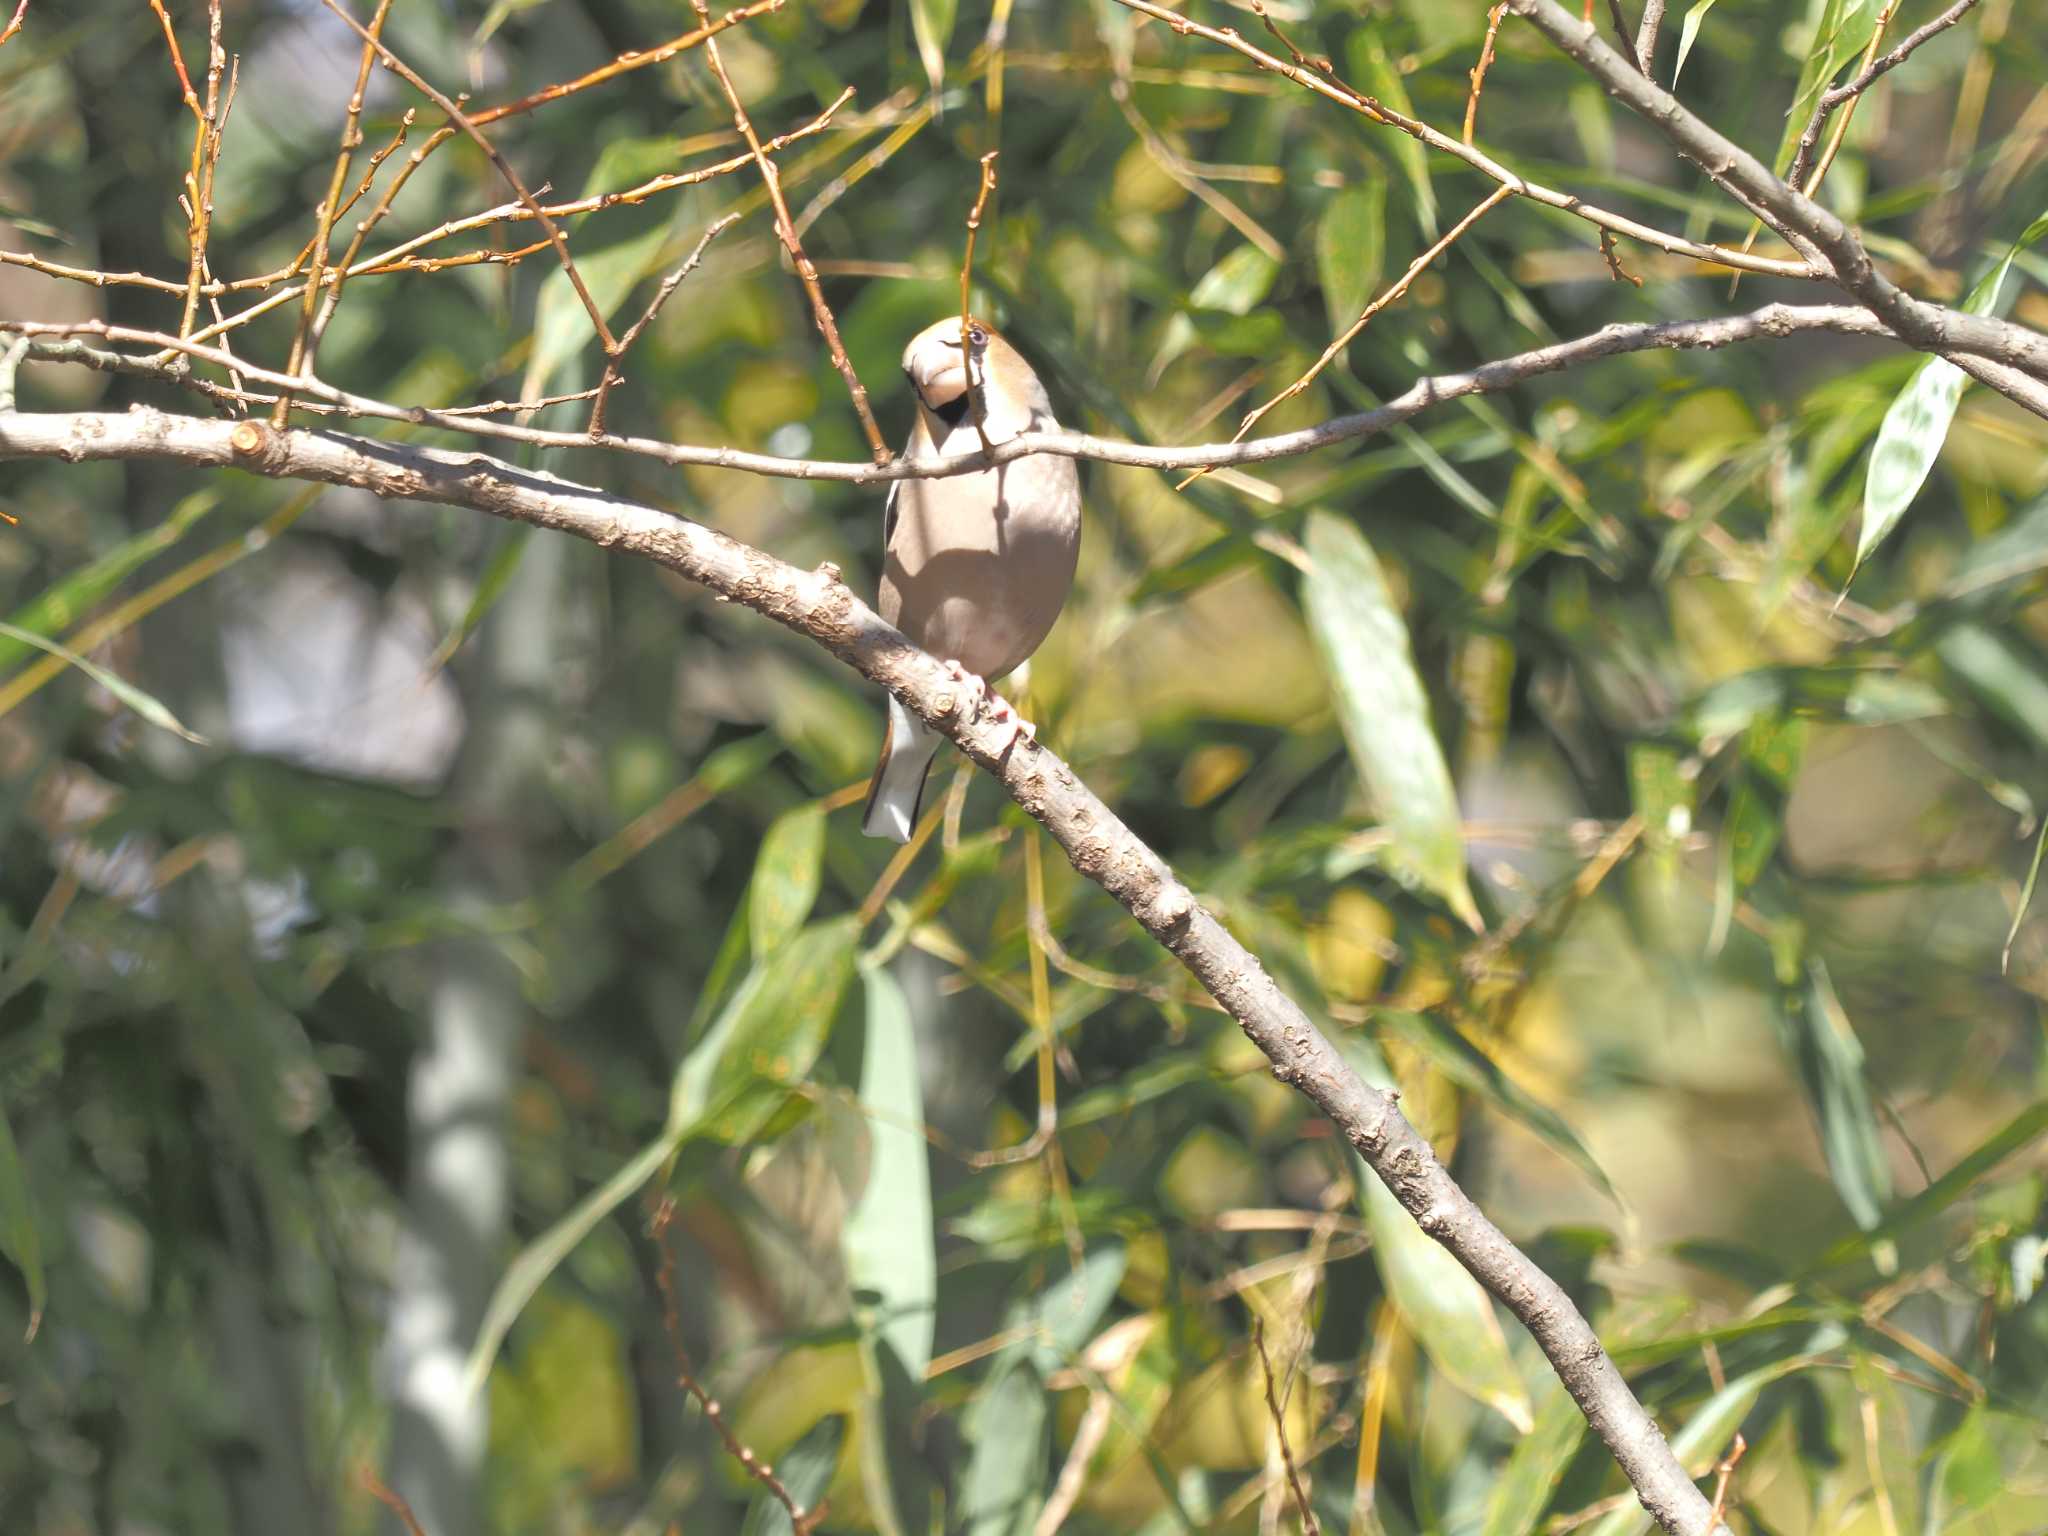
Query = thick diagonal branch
x=817 y=604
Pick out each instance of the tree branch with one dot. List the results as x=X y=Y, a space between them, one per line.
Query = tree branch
x=1772 y=321
x=818 y=605
x=1929 y=327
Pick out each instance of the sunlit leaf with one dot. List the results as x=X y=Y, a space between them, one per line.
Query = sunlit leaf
x=787 y=873
x=143 y=704
x=931 y=23
x=890 y=1263
x=763 y=1042
x=63 y=604
x=1524 y=1487
x=1228 y=290
x=1448 y=1311
x=1006 y=1433
x=1363 y=642
x=1688 y=33
x=1916 y=426
x=1351 y=248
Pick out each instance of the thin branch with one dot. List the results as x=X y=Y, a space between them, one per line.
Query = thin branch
x=456 y=116
x=613 y=374
x=1301 y=1505
x=1928 y=327
x=977 y=397
x=1400 y=286
x=1335 y=90
x=351 y=139
x=1478 y=74
x=1802 y=158
x=785 y=229
x=802 y=1521
x=14 y=25
x=1773 y=321
x=1646 y=36
x=818 y=605
x=625 y=63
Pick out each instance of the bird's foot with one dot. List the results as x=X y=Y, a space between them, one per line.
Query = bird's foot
x=998 y=707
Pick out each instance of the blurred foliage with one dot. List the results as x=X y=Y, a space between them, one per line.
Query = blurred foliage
x=1735 y=1055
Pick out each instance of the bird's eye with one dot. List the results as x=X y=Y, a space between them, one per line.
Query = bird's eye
x=977 y=335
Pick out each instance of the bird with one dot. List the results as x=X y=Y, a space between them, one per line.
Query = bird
x=975 y=567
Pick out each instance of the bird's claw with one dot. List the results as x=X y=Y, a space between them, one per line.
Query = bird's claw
x=998 y=707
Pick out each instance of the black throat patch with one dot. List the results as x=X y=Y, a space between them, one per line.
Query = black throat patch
x=954 y=411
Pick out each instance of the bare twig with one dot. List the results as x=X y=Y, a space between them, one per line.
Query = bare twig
x=205 y=158
x=1301 y=1505
x=1612 y=257
x=802 y=1520
x=1872 y=70
x=1646 y=35
x=14 y=24
x=303 y=346
x=375 y=1487
x=1724 y=1470
x=1400 y=286
x=977 y=398
x=613 y=373
x=1774 y=321
x=1335 y=90
x=461 y=120
x=785 y=229
x=1928 y=327
x=1478 y=75
x=625 y=63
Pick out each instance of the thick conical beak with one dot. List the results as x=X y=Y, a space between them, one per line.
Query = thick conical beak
x=939 y=376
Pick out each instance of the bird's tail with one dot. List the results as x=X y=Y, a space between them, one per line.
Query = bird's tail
x=897 y=792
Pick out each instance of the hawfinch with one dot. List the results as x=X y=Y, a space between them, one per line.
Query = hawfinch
x=975 y=567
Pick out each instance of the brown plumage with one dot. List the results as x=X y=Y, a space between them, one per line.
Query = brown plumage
x=976 y=567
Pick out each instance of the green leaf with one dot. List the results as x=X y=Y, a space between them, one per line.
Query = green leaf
x=1371 y=62
x=20 y=1238
x=1707 y=1433
x=1233 y=287
x=931 y=23
x=134 y=698
x=1916 y=426
x=497 y=576
x=60 y=606
x=1006 y=1430
x=787 y=874
x=2026 y=900
x=1351 y=241
x=2021 y=1131
x=1449 y=1313
x=1363 y=643
x=763 y=1042
x=1844 y=29
x=1465 y=1064
x=805 y=1469
x=888 y=1235
x=1527 y=1483
x=1831 y=1062
x=1688 y=31
x=2003 y=673
x=614 y=249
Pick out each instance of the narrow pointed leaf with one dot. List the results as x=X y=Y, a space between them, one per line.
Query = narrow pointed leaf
x=1688 y=33
x=1363 y=642
x=1831 y=1062
x=805 y=1469
x=132 y=697
x=787 y=873
x=1525 y=1485
x=1351 y=240
x=931 y=23
x=1449 y=1313
x=889 y=1231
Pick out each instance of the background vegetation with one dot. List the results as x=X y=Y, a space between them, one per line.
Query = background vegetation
x=1750 y=1052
